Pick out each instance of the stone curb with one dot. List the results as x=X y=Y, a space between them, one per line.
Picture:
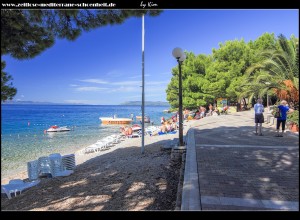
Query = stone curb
x=190 y=189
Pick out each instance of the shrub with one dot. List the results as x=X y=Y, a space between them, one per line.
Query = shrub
x=293 y=117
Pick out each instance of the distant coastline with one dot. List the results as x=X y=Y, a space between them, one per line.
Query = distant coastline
x=37 y=103
x=148 y=103
x=130 y=103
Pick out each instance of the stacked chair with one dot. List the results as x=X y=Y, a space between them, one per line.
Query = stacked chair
x=44 y=167
x=68 y=162
x=53 y=166
x=32 y=170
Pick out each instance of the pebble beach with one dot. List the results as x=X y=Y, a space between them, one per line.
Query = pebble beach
x=120 y=178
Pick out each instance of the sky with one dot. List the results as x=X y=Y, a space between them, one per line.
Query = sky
x=104 y=66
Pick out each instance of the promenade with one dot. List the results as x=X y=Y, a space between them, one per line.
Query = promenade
x=228 y=167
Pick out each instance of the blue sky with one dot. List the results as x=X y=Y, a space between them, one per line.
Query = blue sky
x=104 y=66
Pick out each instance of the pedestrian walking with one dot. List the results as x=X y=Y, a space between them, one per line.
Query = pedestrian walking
x=281 y=120
x=259 y=117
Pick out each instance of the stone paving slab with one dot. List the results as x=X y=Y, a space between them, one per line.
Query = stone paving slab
x=207 y=207
x=220 y=202
x=234 y=166
x=253 y=173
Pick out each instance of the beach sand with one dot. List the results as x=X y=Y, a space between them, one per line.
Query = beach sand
x=121 y=178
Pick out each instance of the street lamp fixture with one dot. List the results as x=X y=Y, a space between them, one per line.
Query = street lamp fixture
x=180 y=57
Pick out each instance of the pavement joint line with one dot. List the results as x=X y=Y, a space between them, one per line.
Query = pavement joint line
x=241 y=146
x=254 y=203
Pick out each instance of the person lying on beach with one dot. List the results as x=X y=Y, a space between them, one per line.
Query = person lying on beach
x=122 y=130
x=126 y=130
x=129 y=131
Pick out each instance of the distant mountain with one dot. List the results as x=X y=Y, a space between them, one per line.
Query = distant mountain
x=148 y=103
x=13 y=102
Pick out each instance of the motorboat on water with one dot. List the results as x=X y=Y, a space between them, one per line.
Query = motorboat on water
x=146 y=119
x=115 y=120
x=56 y=128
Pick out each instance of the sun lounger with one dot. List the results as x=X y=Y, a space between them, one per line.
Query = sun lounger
x=16 y=186
x=134 y=135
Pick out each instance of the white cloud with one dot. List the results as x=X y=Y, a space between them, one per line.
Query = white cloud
x=125 y=89
x=99 y=81
x=135 y=77
x=128 y=83
x=89 y=89
x=138 y=76
x=73 y=85
x=22 y=96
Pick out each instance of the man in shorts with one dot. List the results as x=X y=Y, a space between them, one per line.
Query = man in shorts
x=259 y=116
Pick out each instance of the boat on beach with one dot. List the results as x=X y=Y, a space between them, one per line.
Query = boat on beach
x=115 y=121
x=136 y=127
x=56 y=128
x=146 y=119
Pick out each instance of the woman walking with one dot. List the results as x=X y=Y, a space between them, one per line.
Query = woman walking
x=284 y=110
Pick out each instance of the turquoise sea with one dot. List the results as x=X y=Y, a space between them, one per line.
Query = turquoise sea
x=22 y=129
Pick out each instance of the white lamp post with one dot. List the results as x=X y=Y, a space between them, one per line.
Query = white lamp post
x=180 y=57
x=268 y=107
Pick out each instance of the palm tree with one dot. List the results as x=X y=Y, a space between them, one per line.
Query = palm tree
x=277 y=71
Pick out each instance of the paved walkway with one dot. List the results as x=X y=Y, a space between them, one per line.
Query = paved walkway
x=229 y=168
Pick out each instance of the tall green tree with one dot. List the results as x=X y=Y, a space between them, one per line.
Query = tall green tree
x=221 y=74
x=27 y=33
x=278 y=69
x=7 y=90
x=230 y=62
x=193 y=80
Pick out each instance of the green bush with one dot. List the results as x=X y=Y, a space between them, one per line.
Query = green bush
x=293 y=117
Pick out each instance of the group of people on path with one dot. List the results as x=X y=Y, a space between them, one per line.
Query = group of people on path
x=283 y=109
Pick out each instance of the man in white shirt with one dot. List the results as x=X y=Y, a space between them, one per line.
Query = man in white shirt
x=259 y=117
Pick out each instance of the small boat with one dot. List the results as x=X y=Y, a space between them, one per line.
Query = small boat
x=56 y=128
x=146 y=119
x=114 y=120
x=136 y=127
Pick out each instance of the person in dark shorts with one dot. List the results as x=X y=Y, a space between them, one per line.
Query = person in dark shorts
x=259 y=116
x=284 y=110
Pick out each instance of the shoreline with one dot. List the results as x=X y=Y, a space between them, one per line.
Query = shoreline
x=121 y=178
x=82 y=158
x=128 y=142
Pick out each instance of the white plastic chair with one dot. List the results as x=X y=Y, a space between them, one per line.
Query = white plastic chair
x=44 y=166
x=17 y=185
x=68 y=162
x=32 y=170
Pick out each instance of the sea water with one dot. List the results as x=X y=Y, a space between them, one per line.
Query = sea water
x=23 y=136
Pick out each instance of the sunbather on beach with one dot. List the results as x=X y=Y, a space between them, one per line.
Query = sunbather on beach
x=126 y=130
